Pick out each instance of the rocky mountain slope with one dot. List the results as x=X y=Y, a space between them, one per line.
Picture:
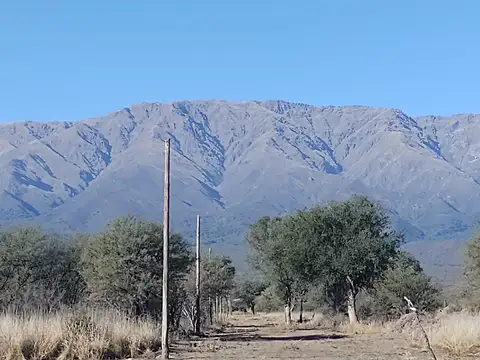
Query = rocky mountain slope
x=233 y=162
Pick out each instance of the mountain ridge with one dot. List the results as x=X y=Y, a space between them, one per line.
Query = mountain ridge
x=233 y=162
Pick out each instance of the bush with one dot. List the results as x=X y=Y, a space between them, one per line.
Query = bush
x=404 y=278
x=269 y=301
x=38 y=270
x=123 y=266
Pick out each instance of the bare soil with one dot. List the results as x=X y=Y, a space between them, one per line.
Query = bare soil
x=260 y=337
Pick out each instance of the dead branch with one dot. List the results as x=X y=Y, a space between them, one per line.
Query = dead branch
x=416 y=317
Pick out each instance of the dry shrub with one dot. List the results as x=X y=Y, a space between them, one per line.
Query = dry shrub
x=67 y=336
x=138 y=335
x=83 y=338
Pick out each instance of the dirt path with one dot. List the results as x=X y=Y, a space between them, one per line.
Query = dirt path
x=253 y=338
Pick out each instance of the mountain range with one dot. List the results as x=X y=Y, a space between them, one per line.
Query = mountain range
x=233 y=162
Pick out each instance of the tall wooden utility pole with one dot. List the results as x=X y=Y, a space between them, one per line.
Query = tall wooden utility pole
x=166 y=220
x=197 y=282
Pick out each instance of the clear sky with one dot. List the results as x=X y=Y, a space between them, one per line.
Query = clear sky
x=74 y=59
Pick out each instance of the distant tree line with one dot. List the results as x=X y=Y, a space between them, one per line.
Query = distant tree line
x=119 y=268
x=342 y=257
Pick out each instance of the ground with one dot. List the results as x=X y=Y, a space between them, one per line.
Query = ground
x=262 y=337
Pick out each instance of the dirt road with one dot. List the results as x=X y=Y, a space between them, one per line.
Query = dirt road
x=250 y=337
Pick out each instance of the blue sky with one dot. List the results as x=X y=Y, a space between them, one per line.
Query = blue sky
x=70 y=60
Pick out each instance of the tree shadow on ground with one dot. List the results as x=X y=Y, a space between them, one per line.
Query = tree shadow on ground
x=303 y=337
x=253 y=326
x=242 y=336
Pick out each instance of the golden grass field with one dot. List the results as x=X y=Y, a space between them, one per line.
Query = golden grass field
x=99 y=335
x=64 y=336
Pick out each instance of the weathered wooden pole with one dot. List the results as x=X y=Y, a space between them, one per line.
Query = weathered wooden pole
x=197 y=282
x=210 y=305
x=166 y=220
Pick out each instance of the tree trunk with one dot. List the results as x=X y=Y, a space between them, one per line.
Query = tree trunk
x=352 y=311
x=192 y=322
x=253 y=308
x=210 y=310
x=288 y=313
x=229 y=306
x=300 y=318
x=196 y=312
x=220 y=307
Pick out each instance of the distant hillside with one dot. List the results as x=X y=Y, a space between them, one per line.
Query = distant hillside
x=233 y=162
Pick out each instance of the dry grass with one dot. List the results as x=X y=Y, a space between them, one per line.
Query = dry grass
x=66 y=336
x=456 y=333
x=364 y=328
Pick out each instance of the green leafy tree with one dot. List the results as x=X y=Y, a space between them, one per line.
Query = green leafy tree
x=289 y=253
x=123 y=266
x=271 y=254
x=248 y=291
x=303 y=236
x=219 y=274
x=261 y=238
x=216 y=280
x=345 y=246
x=360 y=248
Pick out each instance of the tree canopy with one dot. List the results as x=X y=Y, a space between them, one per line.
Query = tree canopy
x=345 y=246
